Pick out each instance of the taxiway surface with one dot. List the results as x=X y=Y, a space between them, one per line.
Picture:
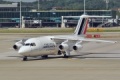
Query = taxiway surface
x=102 y=63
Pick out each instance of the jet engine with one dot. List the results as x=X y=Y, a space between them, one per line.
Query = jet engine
x=77 y=47
x=18 y=44
x=63 y=47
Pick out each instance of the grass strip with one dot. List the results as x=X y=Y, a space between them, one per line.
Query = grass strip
x=54 y=30
x=38 y=30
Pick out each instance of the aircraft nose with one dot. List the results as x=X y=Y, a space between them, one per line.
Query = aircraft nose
x=24 y=50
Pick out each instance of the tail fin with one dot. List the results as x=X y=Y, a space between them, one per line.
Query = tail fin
x=82 y=25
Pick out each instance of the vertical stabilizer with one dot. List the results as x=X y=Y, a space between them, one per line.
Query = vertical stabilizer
x=82 y=25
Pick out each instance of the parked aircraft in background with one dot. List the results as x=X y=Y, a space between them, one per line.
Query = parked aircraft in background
x=56 y=45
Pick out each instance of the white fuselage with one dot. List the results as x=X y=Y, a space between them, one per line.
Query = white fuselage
x=42 y=46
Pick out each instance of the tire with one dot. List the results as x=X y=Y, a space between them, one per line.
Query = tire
x=65 y=56
x=25 y=58
x=59 y=52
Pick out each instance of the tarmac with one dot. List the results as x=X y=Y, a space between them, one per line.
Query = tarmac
x=97 y=61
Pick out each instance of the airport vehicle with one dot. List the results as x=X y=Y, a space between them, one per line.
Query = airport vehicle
x=56 y=45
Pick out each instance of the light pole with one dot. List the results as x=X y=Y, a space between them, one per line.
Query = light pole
x=84 y=7
x=38 y=5
x=20 y=14
x=107 y=2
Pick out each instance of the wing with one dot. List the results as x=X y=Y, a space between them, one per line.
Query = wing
x=23 y=40
x=74 y=42
x=95 y=40
x=61 y=39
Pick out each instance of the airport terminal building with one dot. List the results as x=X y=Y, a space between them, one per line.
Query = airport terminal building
x=10 y=16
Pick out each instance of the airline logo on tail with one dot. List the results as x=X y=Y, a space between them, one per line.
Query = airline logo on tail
x=82 y=26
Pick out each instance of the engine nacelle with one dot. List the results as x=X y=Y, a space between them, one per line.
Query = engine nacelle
x=63 y=47
x=17 y=45
x=77 y=47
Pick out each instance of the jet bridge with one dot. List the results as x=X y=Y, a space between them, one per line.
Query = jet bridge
x=94 y=21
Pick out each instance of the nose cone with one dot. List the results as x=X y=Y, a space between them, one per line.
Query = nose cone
x=24 y=50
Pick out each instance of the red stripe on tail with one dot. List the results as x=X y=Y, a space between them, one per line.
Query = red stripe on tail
x=86 y=26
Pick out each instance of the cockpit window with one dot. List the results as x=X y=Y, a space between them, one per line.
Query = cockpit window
x=29 y=44
x=33 y=44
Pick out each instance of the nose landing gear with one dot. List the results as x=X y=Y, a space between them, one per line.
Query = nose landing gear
x=25 y=58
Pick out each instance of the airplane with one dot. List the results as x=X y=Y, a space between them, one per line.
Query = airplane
x=56 y=45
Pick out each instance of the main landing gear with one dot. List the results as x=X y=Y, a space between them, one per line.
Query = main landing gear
x=64 y=53
x=66 y=56
x=25 y=58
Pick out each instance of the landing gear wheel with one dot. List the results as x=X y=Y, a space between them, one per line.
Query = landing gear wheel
x=25 y=58
x=65 y=56
x=44 y=56
x=59 y=52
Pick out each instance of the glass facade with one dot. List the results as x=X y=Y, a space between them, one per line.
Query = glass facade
x=8 y=15
x=42 y=14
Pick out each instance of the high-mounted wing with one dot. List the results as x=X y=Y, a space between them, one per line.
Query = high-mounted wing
x=80 y=39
